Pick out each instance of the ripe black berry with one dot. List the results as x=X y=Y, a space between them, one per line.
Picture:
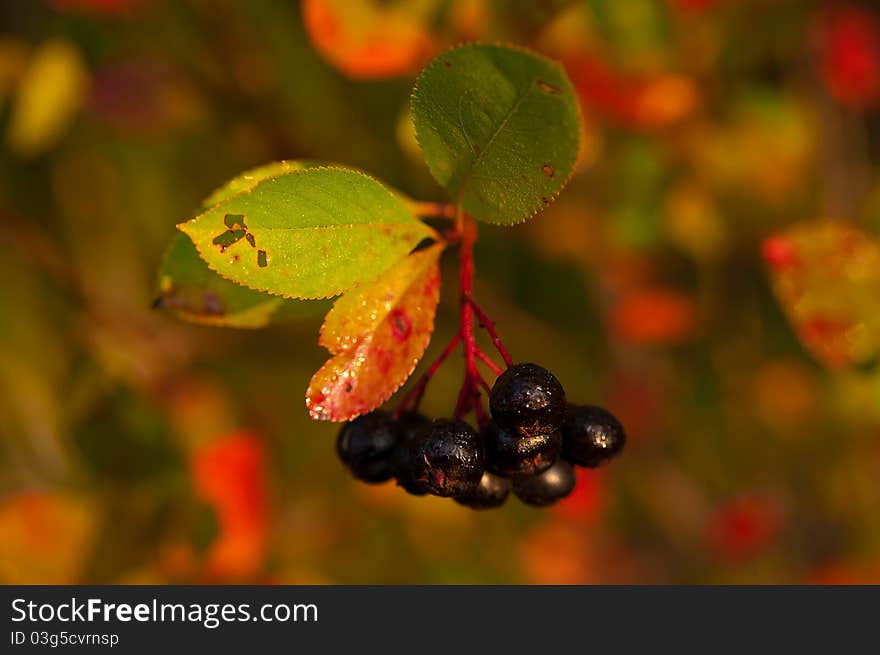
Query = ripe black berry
x=591 y=436
x=365 y=445
x=409 y=426
x=529 y=398
x=447 y=458
x=511 y=452
x=545 y=488
x=490 y=493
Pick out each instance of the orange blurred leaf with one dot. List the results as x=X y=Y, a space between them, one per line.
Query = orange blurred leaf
x=369 y=38
x=654 y=316
x=377 y=335
x=44 y=537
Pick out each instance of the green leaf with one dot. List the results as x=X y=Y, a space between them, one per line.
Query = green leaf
x=500 y=129
x=311 y=233
x=193 y=292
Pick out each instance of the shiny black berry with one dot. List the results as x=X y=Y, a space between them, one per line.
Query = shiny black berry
x=511 y=452
x=545 y=488
x=447 y=458
x=591 y=436
x=409 y=426
x=365 y=445
x=490 y=493
x=528 y=398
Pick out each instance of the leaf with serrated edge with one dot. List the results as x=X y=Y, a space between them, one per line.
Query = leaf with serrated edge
x=252 y=177
x=499 y=128
x=191 y=291
x=311 y=233
x=377 y=334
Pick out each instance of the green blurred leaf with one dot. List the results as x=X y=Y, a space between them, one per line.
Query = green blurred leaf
x=499 y=128
x=193 y=292
x=307 y=234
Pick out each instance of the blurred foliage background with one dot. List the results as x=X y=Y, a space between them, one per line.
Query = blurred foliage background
x=711 y=275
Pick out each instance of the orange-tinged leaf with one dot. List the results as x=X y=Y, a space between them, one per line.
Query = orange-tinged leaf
x=377 y=334
x=826 y=276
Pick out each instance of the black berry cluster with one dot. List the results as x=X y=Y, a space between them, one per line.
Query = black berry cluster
x=529 y=446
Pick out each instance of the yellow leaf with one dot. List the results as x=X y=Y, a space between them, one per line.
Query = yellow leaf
x=50 y=94
x=377 y=334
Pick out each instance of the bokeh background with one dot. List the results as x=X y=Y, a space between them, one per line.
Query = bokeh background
x=711 y=274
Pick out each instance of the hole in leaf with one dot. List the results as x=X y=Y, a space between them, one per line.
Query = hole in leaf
x=251 y=240
x=228 y=238
x=262 y=261
x=234 y=221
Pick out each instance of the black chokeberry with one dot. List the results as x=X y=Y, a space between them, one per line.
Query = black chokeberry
x=528 y=398
x=409 y=426
x=512 y=452
x=545 y=488
x=447 y=458
x=365 y=445
x=490 y=493
x=591 y=436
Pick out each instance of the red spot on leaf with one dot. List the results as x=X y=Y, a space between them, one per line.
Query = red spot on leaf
x=779 y=253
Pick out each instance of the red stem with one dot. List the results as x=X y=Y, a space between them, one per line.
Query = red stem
x=488 y=362
x=414 y=396
x=489 y=326
x=470 y=394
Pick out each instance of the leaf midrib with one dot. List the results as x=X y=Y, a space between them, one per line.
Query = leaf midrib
x=479 y=156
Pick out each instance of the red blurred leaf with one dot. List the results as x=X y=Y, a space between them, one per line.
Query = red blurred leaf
x=377 y=335
x=588 y=498
x=849 y=55
x=743 y=528
x=230 y=475
x=642 y=102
